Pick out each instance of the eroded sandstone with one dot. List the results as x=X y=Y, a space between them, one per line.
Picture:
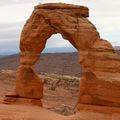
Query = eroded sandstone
x=99 y=84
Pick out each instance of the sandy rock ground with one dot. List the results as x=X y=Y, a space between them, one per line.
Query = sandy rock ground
x=23 y=112
x=60 y=92
x=59 y=102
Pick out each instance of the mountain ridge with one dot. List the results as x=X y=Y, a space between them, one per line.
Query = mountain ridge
x=46 y=50
x=58 y=63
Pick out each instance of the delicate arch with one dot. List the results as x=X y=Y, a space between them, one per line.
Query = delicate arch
x=96 y=55
x=43 y=23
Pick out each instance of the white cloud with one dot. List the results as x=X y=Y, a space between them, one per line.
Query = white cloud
x=11 y=2
x=15 y=13
x=53 y=1
x=11 y=24
x=104 y=14
x=57 y=41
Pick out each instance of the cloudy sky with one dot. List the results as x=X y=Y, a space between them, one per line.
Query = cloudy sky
x=104 y=14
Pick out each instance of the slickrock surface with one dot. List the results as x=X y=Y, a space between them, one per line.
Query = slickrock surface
x=25 y=112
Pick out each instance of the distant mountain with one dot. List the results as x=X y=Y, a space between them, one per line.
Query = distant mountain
x=1 y=56
x=58 y=63
x=5 y=53
x=117 y=47
x=50 y=50
x=46 y=50
x=60 y=50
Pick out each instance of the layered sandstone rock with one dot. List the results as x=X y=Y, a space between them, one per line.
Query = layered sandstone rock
x=100 y=84
x=28 y=83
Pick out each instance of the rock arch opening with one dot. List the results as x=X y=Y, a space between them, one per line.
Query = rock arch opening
x=57 y=44
x=59 y=68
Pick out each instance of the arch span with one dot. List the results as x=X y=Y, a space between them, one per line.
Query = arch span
x=96 y=55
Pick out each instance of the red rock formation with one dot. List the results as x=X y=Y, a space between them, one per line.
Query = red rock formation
x=100 y=84
x=28 y=83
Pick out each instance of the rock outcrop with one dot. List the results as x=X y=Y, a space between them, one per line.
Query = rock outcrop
x=100 y=80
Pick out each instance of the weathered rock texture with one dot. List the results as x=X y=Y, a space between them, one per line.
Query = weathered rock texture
x=100 y=81
x=26 y=112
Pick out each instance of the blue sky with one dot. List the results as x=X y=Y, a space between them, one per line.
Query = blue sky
x=104 y=14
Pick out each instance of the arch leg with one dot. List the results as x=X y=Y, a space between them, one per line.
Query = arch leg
x=28 y=84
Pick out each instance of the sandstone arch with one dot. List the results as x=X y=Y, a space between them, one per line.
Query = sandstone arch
x=46 y=21
x=100 y=62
